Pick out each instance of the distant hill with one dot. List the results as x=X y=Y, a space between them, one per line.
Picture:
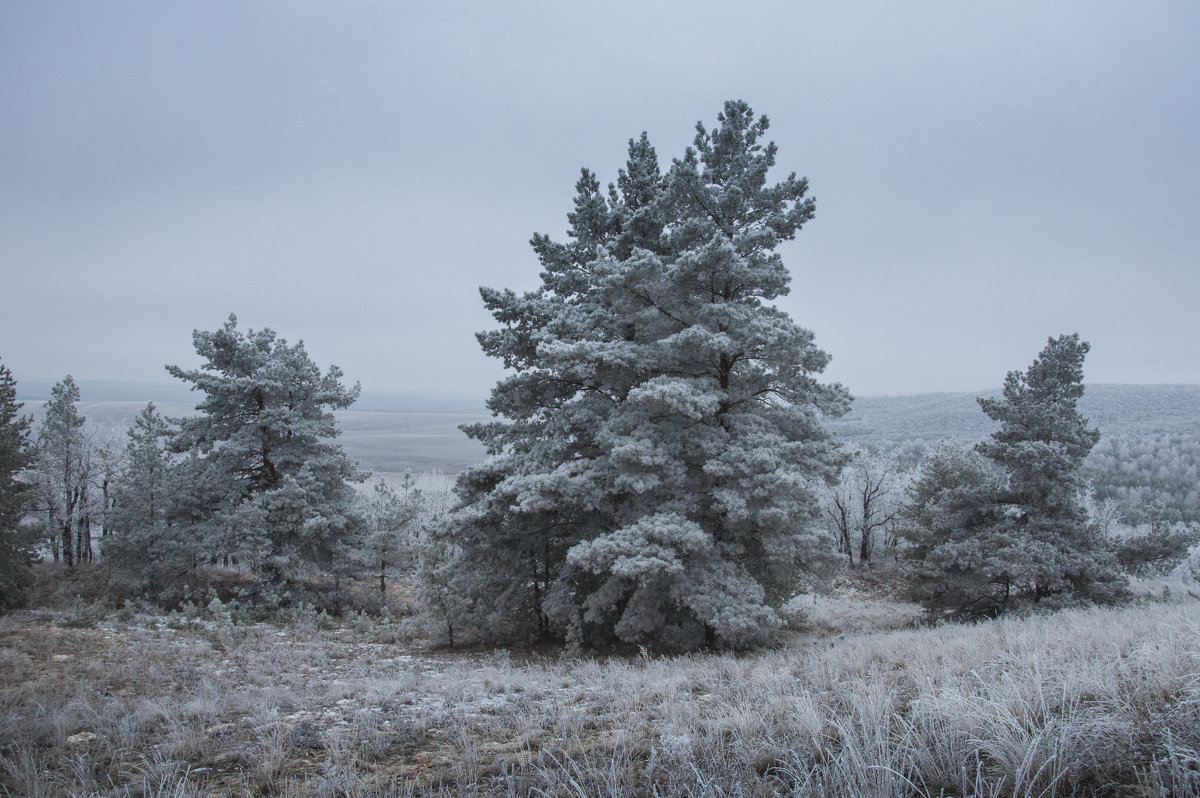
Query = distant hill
x=1118 y=410
x=1147 y=460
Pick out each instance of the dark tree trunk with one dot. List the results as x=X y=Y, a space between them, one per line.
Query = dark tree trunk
x=67 y=556
x=106 y=500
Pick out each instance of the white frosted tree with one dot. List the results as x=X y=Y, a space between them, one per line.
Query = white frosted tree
x=861 y=509
x=264 y=484
x=64 y=474
x=661 y=436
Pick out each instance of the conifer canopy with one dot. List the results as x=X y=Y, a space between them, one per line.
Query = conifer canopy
x=660 y=437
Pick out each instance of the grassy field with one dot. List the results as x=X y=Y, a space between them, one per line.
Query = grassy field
x=859 y=701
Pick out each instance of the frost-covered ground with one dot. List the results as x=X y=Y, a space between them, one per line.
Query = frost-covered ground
x=1100 y=702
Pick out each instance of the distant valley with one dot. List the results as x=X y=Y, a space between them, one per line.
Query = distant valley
x=390 y=433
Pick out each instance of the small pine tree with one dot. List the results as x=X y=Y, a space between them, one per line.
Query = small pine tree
x=16 y=454
x=145 y=546
x=264 y=436
x=258 y=480
x=1041 y=445
x=960 y=560
x=1024 y=540
x=391 y=518
x=142 y=495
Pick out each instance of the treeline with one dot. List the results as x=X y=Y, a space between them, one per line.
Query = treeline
x=1147 y=459
x=662 y=468
x=1150 y=477
x=251 y=499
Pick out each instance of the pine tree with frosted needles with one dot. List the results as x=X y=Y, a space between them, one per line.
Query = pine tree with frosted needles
x=661 y=436
x=265 y=435
x=142 y=492
x=1011 y=531
x=1041 y=444
x=257 y=479
x=150 y=539
x=960 y=561
x=16 y=454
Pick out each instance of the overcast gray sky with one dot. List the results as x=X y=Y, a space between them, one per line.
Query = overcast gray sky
x=986 y=175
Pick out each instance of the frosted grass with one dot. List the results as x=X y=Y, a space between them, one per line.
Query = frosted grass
x=1083 y=702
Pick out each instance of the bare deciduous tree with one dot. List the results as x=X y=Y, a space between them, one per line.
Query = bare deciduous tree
x=862 y=508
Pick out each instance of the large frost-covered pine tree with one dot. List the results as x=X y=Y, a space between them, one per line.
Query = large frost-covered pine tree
x=661 y=436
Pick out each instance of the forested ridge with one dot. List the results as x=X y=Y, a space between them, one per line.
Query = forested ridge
x=1148 y=456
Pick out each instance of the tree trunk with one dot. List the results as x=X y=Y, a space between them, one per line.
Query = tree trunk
x=537 y=595
x=66 y=543
x=83 y=529
x=84 y=547
x=52 y=537
x=106 y=499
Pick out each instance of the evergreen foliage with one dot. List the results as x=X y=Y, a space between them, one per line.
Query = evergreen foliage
x=1156 y=549
x=275 y=480
x=256 y=479
x=961 y=560
x=142 y=494
x=389 y=536
x=1041 y=445
x=143 y=548
x=653 y=475
x=1029 y=542
x=16 y=454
